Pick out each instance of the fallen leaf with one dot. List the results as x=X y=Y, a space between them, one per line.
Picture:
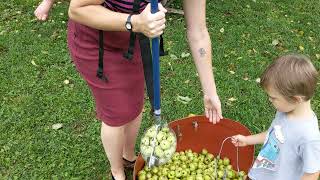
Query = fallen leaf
x=187 y=81
x=246 y=78
x=275 y=42
x=173 y=57
x=301 y=33
x=232 y=99
x=33 y=63
x=318 y=56
x=184 y=100
x=301 y=48
x=66 y=81
x=191 y=115
x=184 y=55
x=57 y=126
x=232 y=72
x=258 y=80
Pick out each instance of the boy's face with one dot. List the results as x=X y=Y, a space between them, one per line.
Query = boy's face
x=279 y=101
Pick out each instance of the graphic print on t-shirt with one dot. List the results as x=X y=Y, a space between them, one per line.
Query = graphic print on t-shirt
x=270 y=151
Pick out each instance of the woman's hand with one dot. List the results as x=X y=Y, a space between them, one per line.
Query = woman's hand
x=239 y=140
x=212 y=107
x=151 y=25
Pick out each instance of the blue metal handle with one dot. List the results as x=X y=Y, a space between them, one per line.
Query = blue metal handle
x=156 y=65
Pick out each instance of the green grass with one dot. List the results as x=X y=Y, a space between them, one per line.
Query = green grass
x=34 y=97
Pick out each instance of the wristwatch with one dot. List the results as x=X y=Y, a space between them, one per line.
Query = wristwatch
x=128 y=23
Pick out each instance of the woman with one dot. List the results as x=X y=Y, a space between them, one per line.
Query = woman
x=118 y=85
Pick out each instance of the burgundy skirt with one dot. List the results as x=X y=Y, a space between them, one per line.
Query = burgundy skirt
x=120 y=100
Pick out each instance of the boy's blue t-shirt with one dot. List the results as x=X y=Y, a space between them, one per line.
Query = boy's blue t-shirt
x=291 y=148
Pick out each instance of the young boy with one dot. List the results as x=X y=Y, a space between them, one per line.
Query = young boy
x=291 y=147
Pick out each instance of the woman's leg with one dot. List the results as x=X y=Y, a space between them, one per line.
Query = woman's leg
x=113 y=141
x=131 y=130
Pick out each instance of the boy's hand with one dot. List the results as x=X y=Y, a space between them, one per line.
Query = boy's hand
x=239 y=140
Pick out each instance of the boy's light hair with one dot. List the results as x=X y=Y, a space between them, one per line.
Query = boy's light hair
x=291 y=75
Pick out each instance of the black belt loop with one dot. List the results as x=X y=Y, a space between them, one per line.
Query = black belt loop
x=100 y=73
x=129 y=54
x=162 y=52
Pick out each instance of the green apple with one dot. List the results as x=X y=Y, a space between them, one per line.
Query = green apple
x=145 y=140
x=201 y=165
x=226 y=161
x=163 y=178
x=204 y=151
x=161 y=135
x=149 y=175
x=210 y=156
x=183 y=158
x=184 y=166
x=199 y=177
x=154 y=177
x=190 y=178
x=165 y=171
x=142 y=177
x=229 y=167
x=192 y=167
x=207 y=177
x=171 y=139
x=158 y=152
x=147 y=152
x=171 y=174
x=151 y=133
x=167 y=153
x=184 y=173
x=165 y=144
x=241 y=173
x=178 y=172
x=220 y=173
x=155 y=170
x=230 y=174
x=172 y=167
x=165 y=129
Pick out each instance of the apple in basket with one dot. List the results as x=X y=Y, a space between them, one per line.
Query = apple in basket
x=164 y=143
x=192 y=166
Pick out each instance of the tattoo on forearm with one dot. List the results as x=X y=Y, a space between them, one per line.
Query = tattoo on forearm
x=202 y=52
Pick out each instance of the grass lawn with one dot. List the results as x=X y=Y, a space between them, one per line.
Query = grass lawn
x=34 y=64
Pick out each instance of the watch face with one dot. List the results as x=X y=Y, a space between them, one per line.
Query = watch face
x=128 y=26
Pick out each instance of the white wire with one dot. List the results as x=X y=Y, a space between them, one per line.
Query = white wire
x=220 y=155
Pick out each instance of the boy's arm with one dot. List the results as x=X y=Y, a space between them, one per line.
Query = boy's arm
x=313 y=176
x=257 y=138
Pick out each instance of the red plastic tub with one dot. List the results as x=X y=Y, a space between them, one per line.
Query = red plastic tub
x=197 y=132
